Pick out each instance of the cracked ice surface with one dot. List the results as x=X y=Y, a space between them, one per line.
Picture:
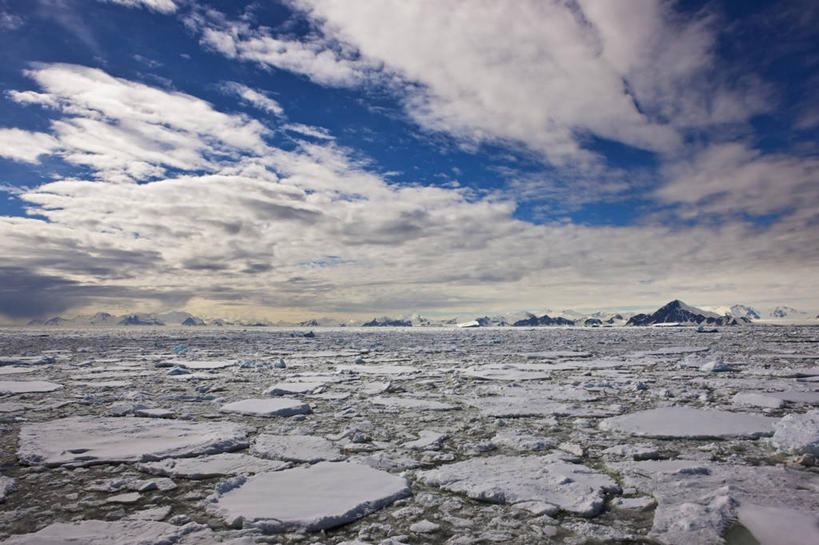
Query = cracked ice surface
x=83 y=440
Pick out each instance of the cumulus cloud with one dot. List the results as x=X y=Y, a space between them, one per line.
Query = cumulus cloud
x=162 y=6
x=254 y=97
x=127 y=130
x=26 y=146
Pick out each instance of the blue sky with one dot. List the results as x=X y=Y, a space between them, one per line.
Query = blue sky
x=296 y=159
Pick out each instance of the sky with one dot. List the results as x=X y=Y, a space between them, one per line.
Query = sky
x=354 y=158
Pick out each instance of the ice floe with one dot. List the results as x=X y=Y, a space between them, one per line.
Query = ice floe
x=690 y=423
x=798 y=433
x=317 y=497
x=27 y=386
x=84 y=440
x=294 y=448
x=574 y=488
x=267 y=407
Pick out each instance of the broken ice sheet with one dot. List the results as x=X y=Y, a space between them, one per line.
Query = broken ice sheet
x=574 y=488
x=317 y=497
x=690 y=423
x=216 y=465
x=85 y=440
x=121 y=532
x=697 y=501
x=411 y=403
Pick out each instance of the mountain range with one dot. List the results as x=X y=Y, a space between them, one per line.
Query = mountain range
x=674 y=312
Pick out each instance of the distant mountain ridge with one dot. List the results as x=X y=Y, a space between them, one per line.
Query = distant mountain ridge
x=678 y=312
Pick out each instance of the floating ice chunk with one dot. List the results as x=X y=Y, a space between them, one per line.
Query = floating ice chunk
x=810 y=398
x=6 y=485
x=574 y=488
x=293 y=388
x=267 y=407
x=424 y=527
x=205 y=467
x=154 y=413
x=527 y=405
x=122 y=532
x=202 y=365
x=16 y=370
x=643 y=503
x=555 y=354
x=677 y=350
x=295 y=448
x=411 y=403
x=86 y=440
x=779 y=526
x=178 y=371
x=522 y=442
x=427 y=440
x=128 y=497
x=505 y=372
x=798 y=433
x=27 y=386
x=690 y=423
x=396 y=370
x=317 y=497
x=715 y=365
x=390 y=461
x=12 y=407
x=635 y=452
x=753 y=399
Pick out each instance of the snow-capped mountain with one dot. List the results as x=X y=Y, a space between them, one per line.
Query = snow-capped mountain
x=743 y=311
x=678 y=312
x=787 y=312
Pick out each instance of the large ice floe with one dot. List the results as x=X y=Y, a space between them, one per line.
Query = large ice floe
x=216 y=465
x=690 y=423
x=317 y=497
x=267 y=407
x=526 y=480
x=122 y=532
x=83 y=440
x=27 y=386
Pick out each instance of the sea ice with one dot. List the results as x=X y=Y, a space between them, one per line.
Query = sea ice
x=574 y=488
x=120 y=532
x=810 y=398
x=411 y=403
x=754 y=399
x=27 y=386
x=267 y=407
x=86 y=440
x=205 y=467
x=427 y=440
x=294 y=448
x=798 y=433
x=293 y=388
x=779 y=526
x=317 y=497
x=690 y=423
x=6 y=486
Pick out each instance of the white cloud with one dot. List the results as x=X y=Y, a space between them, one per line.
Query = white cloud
x=735 y=179
x=254 y=97
x=324 y=61
x=254 y=229
x=128 y=130
x=26 y=146
x=162 y=6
